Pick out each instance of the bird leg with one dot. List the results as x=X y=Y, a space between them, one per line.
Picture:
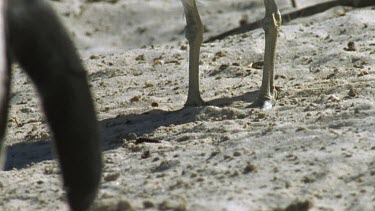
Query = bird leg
x=294 y=3
x=44 y=50
x=271 y=24
x=194 y=35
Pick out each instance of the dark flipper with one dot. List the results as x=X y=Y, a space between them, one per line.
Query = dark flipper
x=43 y=48
x=4 y=82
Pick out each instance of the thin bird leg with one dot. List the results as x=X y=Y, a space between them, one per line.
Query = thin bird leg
x=294 y=3
x=194 y=34
x=4 y=82
x=44 y=50
x=271 y=24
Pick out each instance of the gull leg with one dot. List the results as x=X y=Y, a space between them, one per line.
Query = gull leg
x=294 y=3
x=45 y=51
x=194 y=34
x=4 y=82
x=271 y=24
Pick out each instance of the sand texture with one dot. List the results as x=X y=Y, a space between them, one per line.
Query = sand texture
x=315 y=150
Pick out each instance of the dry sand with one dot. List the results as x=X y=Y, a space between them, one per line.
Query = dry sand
x=315 y=149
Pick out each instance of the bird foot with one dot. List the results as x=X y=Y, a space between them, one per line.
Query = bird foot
x=263 y=103
x=195 y=102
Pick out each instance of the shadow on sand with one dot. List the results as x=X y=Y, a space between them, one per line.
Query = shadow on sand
x=113 y=130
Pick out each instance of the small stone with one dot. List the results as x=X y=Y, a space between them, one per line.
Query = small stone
x=261 y=115
x=219 y=54
x=352 y=92
x=146 y=154
x=249 y=168
x=257 y=65
x=148 y=204
x=135 y=99
x=176 y=205
x=140 y=57
x=351 y=46
x=124 y=206
x=237 y=154
x=333 y=98
x=93 y=57
x=148 y=85
x=112 y=177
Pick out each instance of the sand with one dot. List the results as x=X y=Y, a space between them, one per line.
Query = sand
x=314 y=150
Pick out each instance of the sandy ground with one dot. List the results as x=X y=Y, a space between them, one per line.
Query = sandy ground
x=315 y=150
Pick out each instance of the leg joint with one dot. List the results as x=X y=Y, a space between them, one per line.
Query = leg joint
x=194 y=32
x=272 y=21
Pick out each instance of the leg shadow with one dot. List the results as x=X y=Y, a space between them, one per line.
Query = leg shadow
x=114 y=130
